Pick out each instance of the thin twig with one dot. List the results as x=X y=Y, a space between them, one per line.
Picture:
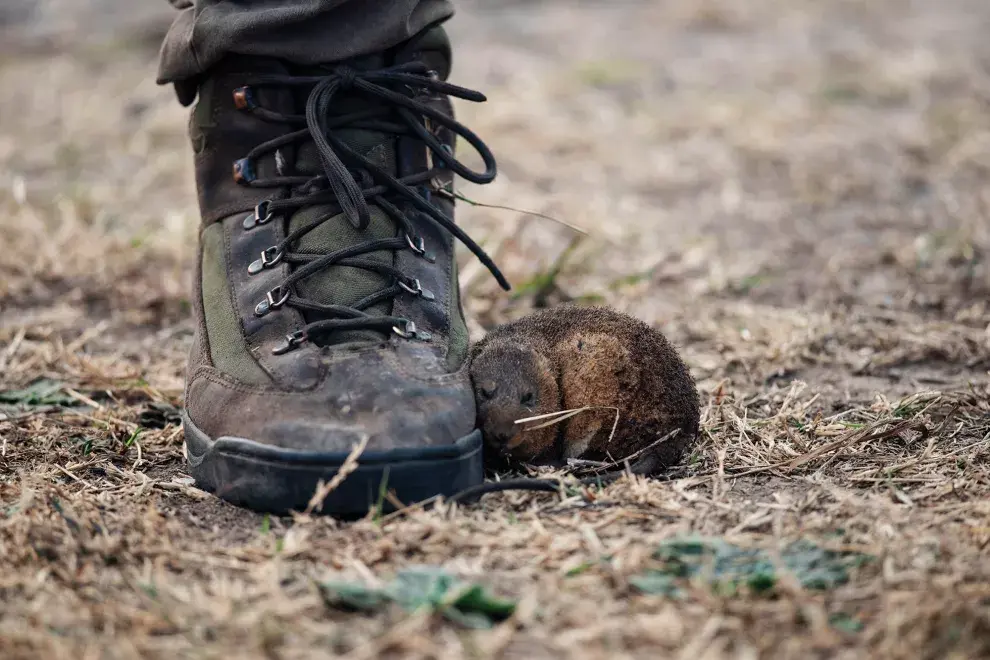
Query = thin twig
x=82 y=398
x=523 y=211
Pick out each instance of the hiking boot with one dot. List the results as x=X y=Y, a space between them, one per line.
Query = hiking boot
x=329 y=321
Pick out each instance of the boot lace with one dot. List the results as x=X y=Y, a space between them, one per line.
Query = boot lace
x=350 y=181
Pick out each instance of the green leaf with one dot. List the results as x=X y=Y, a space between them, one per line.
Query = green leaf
x=133 y=437
x=845 y=623
x=476 y=599
x=422 y=586
x=87 y=444
x=727 y=569
x=352 y=596
x=580 y=568
x=425 y=587
x=656 y=583
x=42 y=392
x=818 y=568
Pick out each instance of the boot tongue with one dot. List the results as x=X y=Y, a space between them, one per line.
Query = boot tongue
x=345 y=285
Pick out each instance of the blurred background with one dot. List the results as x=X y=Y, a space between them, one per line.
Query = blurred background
x=794 y=191
x=769 y=166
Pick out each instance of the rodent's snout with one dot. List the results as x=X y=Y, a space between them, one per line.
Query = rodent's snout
x=502 y=434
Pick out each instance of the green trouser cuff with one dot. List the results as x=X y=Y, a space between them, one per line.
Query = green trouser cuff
x=300 y=31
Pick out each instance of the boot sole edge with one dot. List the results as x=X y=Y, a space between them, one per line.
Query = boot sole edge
x=277 y=480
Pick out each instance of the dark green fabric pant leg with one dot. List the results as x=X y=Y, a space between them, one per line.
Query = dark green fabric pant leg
x=302 y=31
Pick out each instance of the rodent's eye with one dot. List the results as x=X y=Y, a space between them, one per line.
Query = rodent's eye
x=488 y=392
x=527 y=399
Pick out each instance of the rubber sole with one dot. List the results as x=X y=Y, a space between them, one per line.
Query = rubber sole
x=277 y=480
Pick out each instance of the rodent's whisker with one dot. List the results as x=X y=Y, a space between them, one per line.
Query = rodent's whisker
x=562 y=415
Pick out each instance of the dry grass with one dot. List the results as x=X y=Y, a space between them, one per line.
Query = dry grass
x=800 y=205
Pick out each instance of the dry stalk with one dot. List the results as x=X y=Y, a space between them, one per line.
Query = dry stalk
x=563 y=415
x=350 y=464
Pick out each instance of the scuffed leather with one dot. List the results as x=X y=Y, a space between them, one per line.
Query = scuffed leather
x=382 y=391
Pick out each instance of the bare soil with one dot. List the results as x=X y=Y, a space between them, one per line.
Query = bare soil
x=793 y=191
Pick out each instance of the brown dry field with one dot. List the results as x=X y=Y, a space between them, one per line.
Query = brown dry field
x=794 y=191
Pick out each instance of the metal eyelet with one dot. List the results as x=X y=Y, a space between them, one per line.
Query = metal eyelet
x=244 y=99
x=418 y=245
x=244 y=171
x=441 y=188
x=417 y=289
x=262 y=215
x=269 y=257
x=270 y=302
x=409 y=331
x=263 y=212
x=291 y=342
x=274 y=293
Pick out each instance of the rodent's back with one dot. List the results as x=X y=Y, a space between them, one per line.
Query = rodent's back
x=549 y=327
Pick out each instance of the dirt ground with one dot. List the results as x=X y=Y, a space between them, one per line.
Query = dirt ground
x=794 y=191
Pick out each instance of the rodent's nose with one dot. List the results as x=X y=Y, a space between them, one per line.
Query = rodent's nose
x=501 y=432
x=504 y=438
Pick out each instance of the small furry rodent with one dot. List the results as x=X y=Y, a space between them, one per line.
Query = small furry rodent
x=571 y=357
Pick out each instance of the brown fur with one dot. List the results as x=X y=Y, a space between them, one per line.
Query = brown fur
x=572 y=357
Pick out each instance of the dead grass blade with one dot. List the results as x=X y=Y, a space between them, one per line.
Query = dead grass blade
x=501 y=207
x=867 y=434
x=350 y=464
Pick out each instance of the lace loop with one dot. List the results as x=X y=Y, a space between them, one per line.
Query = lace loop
x=351 y=182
